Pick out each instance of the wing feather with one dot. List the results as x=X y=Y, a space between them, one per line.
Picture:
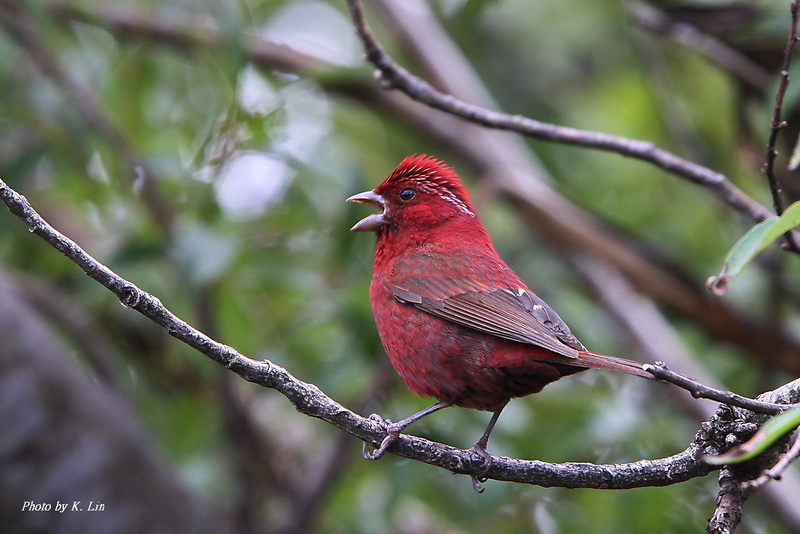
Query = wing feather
x=514 y=314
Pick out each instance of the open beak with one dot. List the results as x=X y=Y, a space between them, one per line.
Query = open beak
x=370 y=223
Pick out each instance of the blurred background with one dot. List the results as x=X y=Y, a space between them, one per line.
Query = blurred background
x=203 y=150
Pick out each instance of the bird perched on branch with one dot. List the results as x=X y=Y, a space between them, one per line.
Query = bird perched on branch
x=456 y=322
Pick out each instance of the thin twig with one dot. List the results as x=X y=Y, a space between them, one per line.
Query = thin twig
x=777 y=470
x=777 y=124
x=393 y=76
x=698 y=390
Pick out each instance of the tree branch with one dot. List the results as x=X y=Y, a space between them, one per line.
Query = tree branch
x=777 y=470
x=738 y=482
x=777 y=124
x=730 y=499
x=658 y=341
x=698 y=390
x=393 y=76
x=309 y=400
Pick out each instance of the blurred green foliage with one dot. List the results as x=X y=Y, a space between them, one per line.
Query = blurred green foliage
x=253 y=165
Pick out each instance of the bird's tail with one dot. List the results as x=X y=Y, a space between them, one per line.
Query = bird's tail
x=586 y=358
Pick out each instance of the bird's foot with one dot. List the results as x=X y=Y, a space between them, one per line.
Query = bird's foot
x=479 y=479
x=392 y=433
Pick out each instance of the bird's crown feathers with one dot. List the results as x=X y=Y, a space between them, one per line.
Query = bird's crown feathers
x=429 y=174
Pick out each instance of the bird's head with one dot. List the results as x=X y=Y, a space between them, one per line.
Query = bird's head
x=422 y=192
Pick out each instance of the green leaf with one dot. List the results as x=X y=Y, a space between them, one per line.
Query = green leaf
x=751 y=244
x=769 y=433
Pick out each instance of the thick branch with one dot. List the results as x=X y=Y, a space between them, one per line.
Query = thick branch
x=730 y=499
x=738 y=482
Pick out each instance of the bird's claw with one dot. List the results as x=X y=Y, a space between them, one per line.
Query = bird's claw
x=379 y=452
x=391 y=436
x=479 y=479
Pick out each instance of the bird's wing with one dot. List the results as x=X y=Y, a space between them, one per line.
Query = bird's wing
x=515 y=314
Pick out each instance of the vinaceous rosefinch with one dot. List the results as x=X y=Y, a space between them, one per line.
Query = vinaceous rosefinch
x=456 y=322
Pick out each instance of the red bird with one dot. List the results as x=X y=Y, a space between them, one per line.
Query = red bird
x=456 y=322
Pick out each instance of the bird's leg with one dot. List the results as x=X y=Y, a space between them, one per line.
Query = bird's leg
x=393 y=429
x=480 y=449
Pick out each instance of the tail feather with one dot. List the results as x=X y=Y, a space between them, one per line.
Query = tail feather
x=612 y=363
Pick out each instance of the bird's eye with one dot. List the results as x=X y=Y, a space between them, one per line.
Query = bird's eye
x=407 y=194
